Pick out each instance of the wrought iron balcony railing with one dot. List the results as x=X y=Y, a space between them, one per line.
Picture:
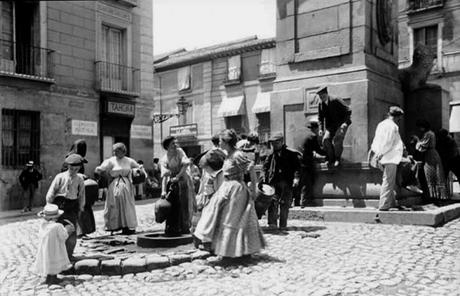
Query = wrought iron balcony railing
x=26 y=61
x=421 y=5
x=115 y=78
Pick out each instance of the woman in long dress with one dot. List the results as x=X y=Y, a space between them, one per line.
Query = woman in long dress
x=175 y=174
x=229 y=222
x=432 y=165
x=120 y=209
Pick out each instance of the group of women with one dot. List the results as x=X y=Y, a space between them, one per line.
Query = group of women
x=425 y=151
x=228 y=222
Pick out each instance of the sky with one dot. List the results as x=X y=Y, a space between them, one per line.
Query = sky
x=198 y=23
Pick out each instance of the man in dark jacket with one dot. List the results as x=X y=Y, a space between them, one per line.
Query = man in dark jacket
x=28 y=179
x=310 y=147
x=334 y=119
x=279 y=170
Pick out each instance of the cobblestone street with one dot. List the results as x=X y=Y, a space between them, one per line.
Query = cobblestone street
x=310 y=258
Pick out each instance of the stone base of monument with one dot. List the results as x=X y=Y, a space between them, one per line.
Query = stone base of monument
x=354 y=185
x=160 y=240
x=428 y=215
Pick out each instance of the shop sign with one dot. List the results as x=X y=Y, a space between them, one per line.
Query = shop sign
x=184 y=131
x=84 y=128
x=141 y=132
x=121 y=108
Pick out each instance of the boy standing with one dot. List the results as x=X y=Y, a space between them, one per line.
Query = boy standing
x=68 y=191
x=28 y=179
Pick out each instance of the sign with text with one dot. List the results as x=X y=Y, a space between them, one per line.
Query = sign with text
x=184 y=131
x=141 y=132
x=121 y=108
x=84 y=128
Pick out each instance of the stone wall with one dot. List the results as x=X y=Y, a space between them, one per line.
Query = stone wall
x=70 y=28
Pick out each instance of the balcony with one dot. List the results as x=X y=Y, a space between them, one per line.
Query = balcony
x=423 y=5
x=117 y=79
x=27 y=62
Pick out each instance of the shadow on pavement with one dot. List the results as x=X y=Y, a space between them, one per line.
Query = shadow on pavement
x=245 y=261
x=285 y=230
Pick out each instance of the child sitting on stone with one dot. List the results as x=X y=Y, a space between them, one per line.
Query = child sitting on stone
x=52 y=256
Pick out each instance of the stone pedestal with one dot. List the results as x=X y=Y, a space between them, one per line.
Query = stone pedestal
x=431 y=103
x=355 y=185
x=348 y=45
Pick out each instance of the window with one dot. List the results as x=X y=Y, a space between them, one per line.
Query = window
x=183 y=78
x=20 y=137
x=197 y=76
x=168 y=82
x=234 y=68
x=427 y=36
x=267 y=62
x=113 y=71
x=20 y=50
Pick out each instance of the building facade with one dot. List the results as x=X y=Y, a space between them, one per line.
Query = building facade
x=71 y=70
x=434 y=23
x=223 y=86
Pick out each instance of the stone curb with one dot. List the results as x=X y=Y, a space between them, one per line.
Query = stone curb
x=137 y=263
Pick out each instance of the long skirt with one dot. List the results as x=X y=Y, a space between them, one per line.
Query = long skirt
x=434 y=174
x=229 y=222
x=179 y=220
x=120 y=209
x=86 y=222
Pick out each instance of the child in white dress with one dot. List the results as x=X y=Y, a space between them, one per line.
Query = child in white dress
x=52 y=255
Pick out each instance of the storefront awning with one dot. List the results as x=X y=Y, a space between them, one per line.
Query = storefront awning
x=262 y=103
x=231 y=107
x=454 y=121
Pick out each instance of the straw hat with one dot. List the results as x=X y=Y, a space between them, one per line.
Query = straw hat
x=50 y=211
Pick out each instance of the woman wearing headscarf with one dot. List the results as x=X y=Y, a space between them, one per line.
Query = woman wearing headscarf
x=120 y=210
x=78 y=147
x=176 y=179
x=229 y=222
x=432 y=165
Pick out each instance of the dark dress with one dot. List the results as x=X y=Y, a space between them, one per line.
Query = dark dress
x=432 y=166
x=182 y=194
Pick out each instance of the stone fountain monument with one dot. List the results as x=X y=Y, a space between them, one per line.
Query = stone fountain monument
x=352 y=47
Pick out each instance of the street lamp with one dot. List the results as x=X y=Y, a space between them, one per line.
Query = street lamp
x=182 y=106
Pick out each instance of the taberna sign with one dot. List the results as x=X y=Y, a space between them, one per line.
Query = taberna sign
x=117 y=108
x=184 y=131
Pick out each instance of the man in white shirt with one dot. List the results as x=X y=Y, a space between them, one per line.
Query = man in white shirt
x=388 y=147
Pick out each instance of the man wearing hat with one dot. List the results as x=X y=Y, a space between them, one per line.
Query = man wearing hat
x=334 y=119
x=388 y=148
x=310 y=147
x=68 y=191
x=28 y=179
x=278 y=171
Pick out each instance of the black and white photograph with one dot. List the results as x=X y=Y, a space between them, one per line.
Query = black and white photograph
x=230 y=147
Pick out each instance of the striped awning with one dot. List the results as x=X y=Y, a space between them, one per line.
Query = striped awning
x=231 y=106
x=454 y=120
x=262 y=103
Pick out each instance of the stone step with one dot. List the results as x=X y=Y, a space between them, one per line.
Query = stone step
x=429 y=215
x=370 y=202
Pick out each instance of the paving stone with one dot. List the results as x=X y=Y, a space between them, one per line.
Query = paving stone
x=177 y=259
x=87 y=266
x=155 y=262
x=111 y=267
x=133 y=265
